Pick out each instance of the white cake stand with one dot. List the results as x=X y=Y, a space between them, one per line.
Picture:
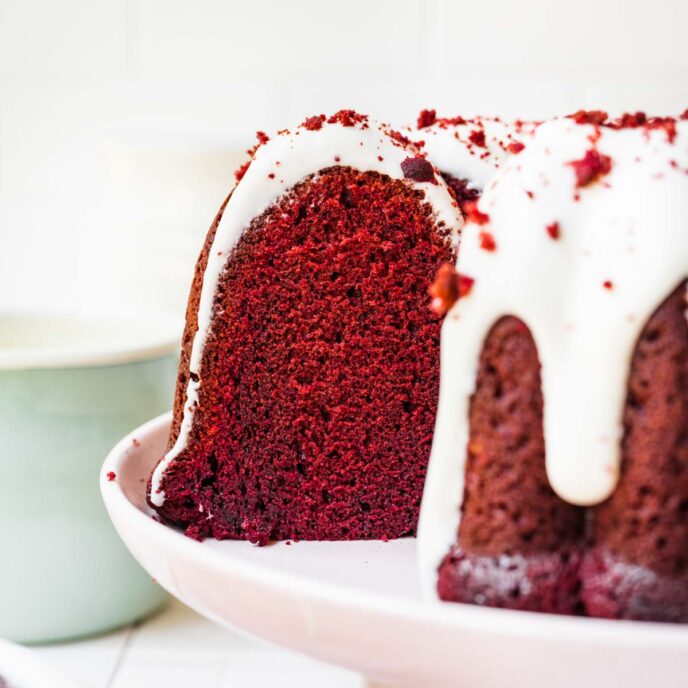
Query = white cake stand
x=357 y=604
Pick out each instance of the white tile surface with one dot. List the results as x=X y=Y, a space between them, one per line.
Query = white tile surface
x=91 y=662
x=179 y=649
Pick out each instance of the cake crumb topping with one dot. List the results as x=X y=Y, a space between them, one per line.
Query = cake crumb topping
x=445 y=289
x=349 y=118
x=474 y=214
x=591 y=167
x=426 y=118
x=448 y=287
x=262 y=139
x=515 y=147
x=418 y=169
x=314 y=123
x=487 y=242
x=553 y=230
x=477 y=138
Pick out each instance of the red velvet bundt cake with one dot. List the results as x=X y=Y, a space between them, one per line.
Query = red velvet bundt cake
x=308 y=383
x=559 y=473
x=467 y=151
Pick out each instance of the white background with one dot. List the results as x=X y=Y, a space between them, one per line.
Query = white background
x=121 y=121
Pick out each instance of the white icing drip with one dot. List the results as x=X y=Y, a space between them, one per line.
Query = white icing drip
x=291 y=157
x=630 y=228
x=450 y=149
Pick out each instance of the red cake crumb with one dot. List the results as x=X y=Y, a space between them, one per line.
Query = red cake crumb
x=426 y=118
x=418 y=169
x=399 y=138
x=348 y=118
x=241 y=171
x=596 y=117
x=607 y=284
x=630 y=120
x=262 y=138
x=553 y=230
x=474 y=214
x=591 y=167
x=445 y=289
x=515 y=147
x=314 y=123
x=684 y=114
x=668 y=124
x=465 y=285
x=453 y=121
x=111 y=475
x=487 y=241
x=477 y=138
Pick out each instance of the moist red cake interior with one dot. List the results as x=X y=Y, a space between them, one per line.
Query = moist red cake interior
x=319 y=378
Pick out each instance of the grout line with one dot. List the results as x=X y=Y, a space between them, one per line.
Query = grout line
x=122 y=653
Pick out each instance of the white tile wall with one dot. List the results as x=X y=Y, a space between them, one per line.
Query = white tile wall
x=213 y=41
x=70 y=41
x=121 y=120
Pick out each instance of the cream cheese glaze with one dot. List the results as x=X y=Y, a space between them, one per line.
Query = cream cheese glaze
x=586 y=294
x=452 y=148
x=276 y=167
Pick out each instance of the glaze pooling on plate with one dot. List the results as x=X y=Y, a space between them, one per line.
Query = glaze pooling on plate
x=588 y=234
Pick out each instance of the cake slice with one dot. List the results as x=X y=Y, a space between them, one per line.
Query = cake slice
x=309 y=375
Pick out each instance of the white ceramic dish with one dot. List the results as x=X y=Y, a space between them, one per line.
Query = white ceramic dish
x=358 y=605
x=21 y=668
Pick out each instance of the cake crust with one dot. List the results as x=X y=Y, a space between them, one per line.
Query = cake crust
x=637 y=567
x=519 y=544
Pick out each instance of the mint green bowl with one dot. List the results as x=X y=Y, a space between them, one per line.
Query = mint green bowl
x=69 y=390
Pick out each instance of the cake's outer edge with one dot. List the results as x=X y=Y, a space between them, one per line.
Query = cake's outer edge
x=585 y=293
x=275 y=168
x=190 y=327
